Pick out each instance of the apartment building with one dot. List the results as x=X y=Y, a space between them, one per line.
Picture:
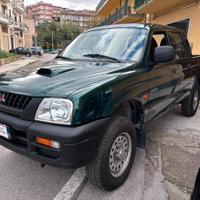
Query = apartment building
x=118 y=11
x=184 y=14
x=42 y=12
x=12 y=27
x=46 y=12
x=82 y=18
x=4 y=23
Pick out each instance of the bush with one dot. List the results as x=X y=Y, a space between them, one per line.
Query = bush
x=4 y=54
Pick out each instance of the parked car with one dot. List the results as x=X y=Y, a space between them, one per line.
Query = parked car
x=93 y=100
x=37 y=51
x=22 y=51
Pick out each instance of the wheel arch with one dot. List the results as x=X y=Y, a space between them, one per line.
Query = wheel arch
x=130 y=109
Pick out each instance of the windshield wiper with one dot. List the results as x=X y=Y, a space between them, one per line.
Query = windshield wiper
x=101 y=56
x=64 y=58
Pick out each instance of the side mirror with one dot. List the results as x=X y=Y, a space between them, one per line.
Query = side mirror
x=164 y=54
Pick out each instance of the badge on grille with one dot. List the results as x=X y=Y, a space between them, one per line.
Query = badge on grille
x=2 y=98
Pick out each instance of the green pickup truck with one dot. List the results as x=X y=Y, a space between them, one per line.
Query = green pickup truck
x=89 y=105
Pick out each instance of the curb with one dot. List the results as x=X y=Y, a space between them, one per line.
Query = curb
x=74 y=186
x=6 y=68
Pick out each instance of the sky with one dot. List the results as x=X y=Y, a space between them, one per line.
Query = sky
x=72 y=4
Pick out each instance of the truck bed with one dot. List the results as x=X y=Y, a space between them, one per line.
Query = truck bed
x=192 y=66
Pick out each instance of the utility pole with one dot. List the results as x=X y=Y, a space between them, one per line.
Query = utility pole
x=52 y=41
x=35 y=37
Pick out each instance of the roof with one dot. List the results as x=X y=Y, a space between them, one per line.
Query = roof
x=136 y=25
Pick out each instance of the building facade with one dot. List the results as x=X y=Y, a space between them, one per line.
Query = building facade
x=30 y=34
x=118 y=11
x=12 y=27
x=82 y=18
x=44 y=12
x=184 y=14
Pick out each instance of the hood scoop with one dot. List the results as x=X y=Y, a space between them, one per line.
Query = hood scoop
x=51 y=72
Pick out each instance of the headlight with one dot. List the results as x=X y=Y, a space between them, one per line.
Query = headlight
x=57 y=111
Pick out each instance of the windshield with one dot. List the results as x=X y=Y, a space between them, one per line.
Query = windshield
x=124 y=44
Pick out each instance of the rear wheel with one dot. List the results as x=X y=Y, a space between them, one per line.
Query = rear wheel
x=191 y=103
x=111 y=166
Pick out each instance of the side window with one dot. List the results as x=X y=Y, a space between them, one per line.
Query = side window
x=158 y=39
x=178 y=44
x=161 y=39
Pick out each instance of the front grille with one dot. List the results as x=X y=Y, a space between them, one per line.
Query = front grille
x=14 y=100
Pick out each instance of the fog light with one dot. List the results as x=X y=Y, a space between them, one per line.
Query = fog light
x=47 y=142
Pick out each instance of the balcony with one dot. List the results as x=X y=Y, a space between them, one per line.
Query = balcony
x=156 y=6
x=4 y=18
x=19 y=26
x=19 y=7
x=105 y=6
x=123 y=15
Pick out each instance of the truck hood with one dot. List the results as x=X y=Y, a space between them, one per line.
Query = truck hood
x=58 y=78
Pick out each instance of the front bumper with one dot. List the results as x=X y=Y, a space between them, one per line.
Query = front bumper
x=78 y=144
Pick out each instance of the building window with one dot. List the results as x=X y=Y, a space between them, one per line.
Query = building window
x=4 y=29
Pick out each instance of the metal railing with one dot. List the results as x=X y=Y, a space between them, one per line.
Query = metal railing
x=122 y=12
x=19 y=6
x=139 y=3
x=19 y=25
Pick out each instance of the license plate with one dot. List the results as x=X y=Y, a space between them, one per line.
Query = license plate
x=4 y=132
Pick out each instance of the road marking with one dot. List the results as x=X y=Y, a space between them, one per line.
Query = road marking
x=73 y=187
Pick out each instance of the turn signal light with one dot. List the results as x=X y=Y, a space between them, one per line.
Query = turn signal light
x=47 y=142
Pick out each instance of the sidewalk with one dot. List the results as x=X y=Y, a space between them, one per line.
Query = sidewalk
x=17 y=64
x=167 y=169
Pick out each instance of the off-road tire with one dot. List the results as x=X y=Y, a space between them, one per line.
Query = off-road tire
x=188 y=108
x=98 y=170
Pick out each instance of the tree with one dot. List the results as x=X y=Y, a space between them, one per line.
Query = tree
x=62 y=34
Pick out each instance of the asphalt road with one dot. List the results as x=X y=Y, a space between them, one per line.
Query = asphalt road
x=24 y=179
x=45 y=57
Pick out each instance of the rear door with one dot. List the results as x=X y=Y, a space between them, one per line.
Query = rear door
x=183 y=55
x=162 y=80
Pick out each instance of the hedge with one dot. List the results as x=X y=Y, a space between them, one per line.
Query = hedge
x=4 y=54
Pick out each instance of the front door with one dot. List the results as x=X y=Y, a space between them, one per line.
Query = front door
x=162 y=80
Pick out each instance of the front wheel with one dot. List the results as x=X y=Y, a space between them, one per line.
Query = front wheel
x=111 y=165
x=191 y=103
